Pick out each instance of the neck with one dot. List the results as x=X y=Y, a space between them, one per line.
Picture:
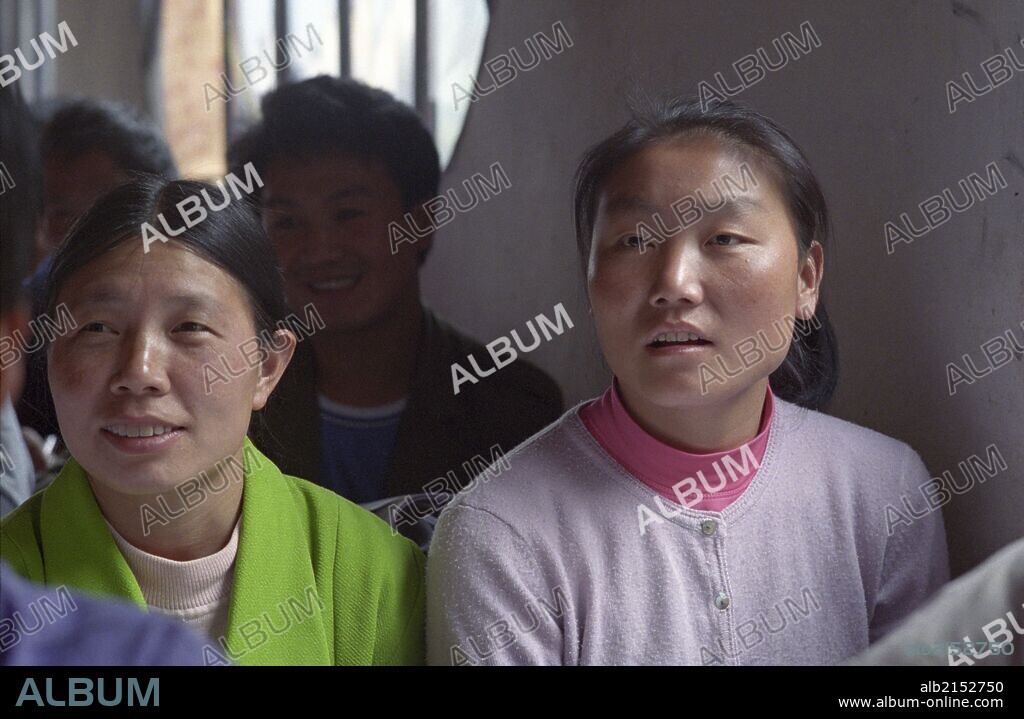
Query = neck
x=162 y=523
x=702 y=430
x=370 y=366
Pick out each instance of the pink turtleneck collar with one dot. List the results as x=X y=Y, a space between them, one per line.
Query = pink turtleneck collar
x=708 y=482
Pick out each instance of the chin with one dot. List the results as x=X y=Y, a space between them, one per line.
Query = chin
x=135 y=475
x=131 y=483
x=671 y=389
x=664 y=389
x=682 y=394
x=354 y=318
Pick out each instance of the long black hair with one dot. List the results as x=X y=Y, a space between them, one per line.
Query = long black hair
x=810 y=372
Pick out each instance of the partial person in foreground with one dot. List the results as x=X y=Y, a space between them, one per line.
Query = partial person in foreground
x=975 y=619
x=81 y=630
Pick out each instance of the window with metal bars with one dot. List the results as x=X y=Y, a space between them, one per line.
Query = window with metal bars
x=414 y=49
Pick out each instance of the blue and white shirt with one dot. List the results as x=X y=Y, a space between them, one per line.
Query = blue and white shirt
x=358 y=443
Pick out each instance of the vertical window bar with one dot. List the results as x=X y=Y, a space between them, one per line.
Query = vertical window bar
x=230 y=35
x=345 y=38
x=149 y=19
x=284 y=75
x=421 y=69
x=44 y=19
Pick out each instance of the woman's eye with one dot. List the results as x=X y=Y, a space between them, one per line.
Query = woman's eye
x=716 y=240
x=633 y=241
x=97 y=327
x=193 y=327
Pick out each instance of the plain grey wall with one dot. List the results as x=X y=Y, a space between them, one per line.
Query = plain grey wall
x=870 y=109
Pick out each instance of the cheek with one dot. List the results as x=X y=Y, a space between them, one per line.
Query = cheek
x=286 y=249
x=76 y=385
x=237 y=409
x=389 y=276
x=68 y=373
x=760 y=284
x=212 y=390
x=756 y=311
x=375 y=248
x=613 y=298
x=375 y=234
x=617 y=284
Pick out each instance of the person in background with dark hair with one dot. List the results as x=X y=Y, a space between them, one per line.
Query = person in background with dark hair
x=92 y=632
x=87 y=148
x=150 y=506
x=367 y=407
x=679 y=517
x=19 y=210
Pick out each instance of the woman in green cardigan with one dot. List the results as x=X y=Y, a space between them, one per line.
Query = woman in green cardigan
x=177 y=336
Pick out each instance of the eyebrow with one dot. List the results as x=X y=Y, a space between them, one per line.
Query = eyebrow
x=342 y=194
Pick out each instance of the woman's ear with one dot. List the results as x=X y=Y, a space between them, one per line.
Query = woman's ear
x=279 y=354
x=809 y=278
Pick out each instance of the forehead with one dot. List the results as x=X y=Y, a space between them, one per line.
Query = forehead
x=663 y=173
x=306 y=180
x=169 y=270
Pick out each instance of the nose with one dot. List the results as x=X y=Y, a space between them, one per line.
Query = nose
x=142 y=367
x=322 y=240
x=318 y=240
x=677 y=279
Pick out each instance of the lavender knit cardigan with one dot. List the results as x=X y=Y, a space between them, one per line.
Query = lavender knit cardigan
x=553 y=557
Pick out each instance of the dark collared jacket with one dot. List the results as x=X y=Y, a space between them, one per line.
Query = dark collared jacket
x=438 y=431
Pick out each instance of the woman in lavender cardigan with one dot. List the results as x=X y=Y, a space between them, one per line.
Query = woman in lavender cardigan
x=701 y=511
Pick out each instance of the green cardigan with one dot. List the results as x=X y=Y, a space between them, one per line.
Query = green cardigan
x=317 y=579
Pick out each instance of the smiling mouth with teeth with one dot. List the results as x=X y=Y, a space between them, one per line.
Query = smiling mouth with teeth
x=340 y=283
x=144 y=430
x=666 y=339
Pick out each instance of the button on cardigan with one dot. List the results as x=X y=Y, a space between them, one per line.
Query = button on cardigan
x=546 y=563
x=318 y=580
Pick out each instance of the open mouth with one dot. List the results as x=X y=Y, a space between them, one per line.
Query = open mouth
x=138 y=438
x=674 y=339
x=334 y=283
x=140 y=430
